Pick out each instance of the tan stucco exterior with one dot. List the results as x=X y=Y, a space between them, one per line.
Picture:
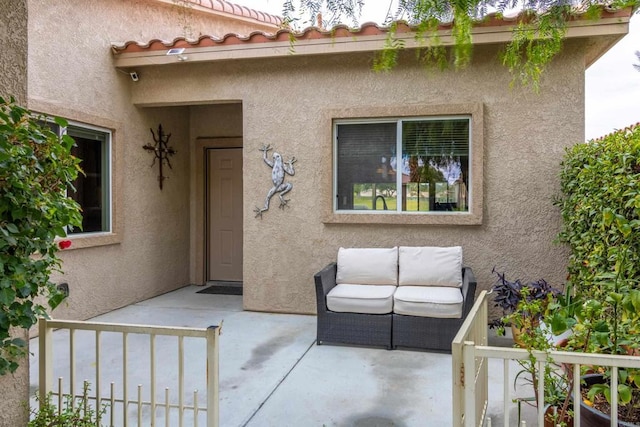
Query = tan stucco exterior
x=56 y=61
x=71 y=75
x=289 y=101
x=14 y=46
x=14 y=388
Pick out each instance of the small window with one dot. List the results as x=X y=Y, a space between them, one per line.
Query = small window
x=92 y=189
x=417 y=165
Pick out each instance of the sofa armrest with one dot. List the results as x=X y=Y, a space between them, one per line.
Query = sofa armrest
x=325 y=280
x=469 y=284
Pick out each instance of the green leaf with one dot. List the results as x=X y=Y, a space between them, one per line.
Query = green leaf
x=607 y=217
x=595 y=390
x=55 y=300
x=19 y=342
x=61 y=122
x=625 y=229
x=7 y=296
x=601 y=326
x=622 y=375
x=634 y=296
x=558 y=324
x=624 y=394
x=614 y=297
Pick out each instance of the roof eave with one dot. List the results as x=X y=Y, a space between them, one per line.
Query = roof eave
x=614 y=27
x=601 y=47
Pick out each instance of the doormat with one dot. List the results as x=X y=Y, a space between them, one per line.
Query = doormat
x=222 y=289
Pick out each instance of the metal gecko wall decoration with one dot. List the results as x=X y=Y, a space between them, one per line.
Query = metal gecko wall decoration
x=161 y=151
x=279 y=169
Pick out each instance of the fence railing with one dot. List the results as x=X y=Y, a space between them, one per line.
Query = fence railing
x=137 y=388
x=470 y=372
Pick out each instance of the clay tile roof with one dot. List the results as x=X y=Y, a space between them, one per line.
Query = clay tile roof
x=314 y=33
x=242 y=11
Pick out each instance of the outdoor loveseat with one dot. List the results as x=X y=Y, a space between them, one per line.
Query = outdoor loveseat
x=414 y=297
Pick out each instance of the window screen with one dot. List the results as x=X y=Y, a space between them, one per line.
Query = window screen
x=422 y=168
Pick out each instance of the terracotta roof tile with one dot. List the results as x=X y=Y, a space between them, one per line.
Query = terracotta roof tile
x=314 y=33
x=238 y=10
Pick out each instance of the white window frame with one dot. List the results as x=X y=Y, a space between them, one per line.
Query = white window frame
x=399 y=122
x=108 y=163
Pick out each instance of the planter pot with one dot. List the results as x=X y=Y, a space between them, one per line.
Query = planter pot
x=548 y=418
x=591 y=417
x=517 y=334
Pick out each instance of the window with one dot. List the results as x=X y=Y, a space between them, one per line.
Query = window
x=409 y=165
x=92 y=189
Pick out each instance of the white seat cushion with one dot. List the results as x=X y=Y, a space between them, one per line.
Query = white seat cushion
x=430 y=266
x=428 y=301
x=367 y=266
x=369 y=299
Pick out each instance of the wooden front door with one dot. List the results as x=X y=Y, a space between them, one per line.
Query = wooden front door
x=224 y=214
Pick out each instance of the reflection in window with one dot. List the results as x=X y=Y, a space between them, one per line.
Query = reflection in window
x=436 y=152
x=430 y=174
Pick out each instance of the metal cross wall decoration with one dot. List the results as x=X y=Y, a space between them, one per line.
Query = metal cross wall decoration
x=161 y=151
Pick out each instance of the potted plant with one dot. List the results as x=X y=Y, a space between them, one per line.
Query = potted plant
x=515 y=299
x=528 y=316
x=524 y=307
x=607 y=322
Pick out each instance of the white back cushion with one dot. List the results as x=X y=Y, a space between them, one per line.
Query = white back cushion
x=430 y=266
x=367 y=266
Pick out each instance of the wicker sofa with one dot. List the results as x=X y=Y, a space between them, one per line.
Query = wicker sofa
x=414 y=297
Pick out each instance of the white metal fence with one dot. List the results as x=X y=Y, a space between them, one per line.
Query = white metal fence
x=145 y=383
x=471 y=355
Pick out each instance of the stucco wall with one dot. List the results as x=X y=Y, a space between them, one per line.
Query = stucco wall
x=14 y=393
x=71 y=75
x=283 y=103
x=14 y=388
x=13 y=45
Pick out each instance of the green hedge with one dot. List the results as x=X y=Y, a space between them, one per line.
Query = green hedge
x=600 y=206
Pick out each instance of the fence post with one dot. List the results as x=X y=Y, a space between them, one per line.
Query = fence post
x=469 y=360
x=213 y=413
x=45 y=347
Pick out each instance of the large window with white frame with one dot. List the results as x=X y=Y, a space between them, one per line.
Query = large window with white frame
x=92 y=188
x=418 y=165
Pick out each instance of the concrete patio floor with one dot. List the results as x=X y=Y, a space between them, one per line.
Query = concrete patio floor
x=273 y=374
